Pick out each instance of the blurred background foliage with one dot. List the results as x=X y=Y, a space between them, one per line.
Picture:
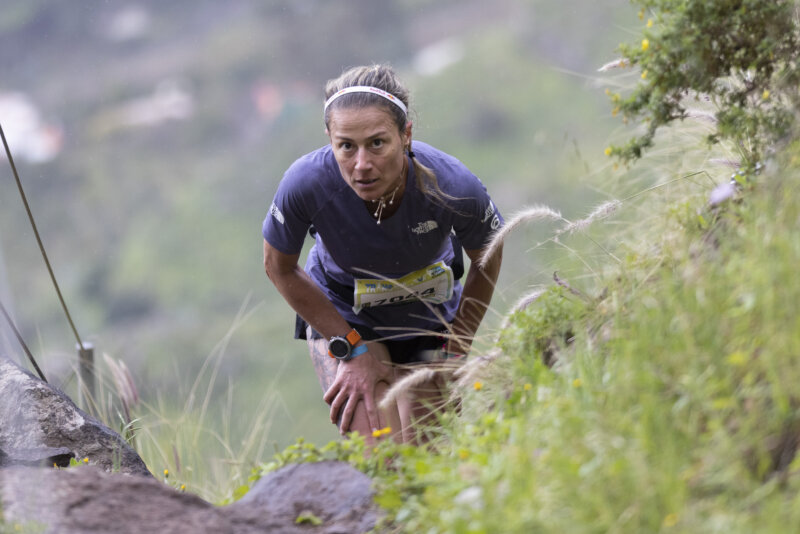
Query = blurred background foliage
x=162 y=129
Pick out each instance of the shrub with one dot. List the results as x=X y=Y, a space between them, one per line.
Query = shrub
x=741 y=56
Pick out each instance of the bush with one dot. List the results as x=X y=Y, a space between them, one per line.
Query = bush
x=739 y=55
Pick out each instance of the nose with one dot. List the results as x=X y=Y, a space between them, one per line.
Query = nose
x=363 y=161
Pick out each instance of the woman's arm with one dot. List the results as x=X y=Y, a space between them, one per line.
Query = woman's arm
x=355 y=379
x=302 y=293
x=475 y=299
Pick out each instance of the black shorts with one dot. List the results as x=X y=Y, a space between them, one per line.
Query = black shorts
x=418 y=349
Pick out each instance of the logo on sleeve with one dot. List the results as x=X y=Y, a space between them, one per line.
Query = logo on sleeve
x=490 y=209
x=425 y=227
x=275 y=212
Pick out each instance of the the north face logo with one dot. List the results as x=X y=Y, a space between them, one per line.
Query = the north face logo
x=425 y=227
x=275 y=212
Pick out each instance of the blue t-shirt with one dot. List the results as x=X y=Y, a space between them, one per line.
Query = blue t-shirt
x=382 y=275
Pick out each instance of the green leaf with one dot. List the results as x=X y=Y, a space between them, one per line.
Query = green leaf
x=308 y=518
x=240 y=492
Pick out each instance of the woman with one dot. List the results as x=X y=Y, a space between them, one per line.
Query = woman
x=380 y=289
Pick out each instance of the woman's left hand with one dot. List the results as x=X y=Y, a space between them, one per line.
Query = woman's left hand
x=356 y=381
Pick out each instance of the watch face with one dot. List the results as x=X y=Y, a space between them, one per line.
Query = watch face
x=339 y=347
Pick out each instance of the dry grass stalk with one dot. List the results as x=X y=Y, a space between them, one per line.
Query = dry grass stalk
x=123 y=381
x=619 y=63
x=526 y=300
x=468 y=372
x=533 y=213
x=600 y=212
x=413 y=380
x=733 y=164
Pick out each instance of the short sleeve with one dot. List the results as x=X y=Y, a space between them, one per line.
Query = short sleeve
x=289 y=216
x=476 y=217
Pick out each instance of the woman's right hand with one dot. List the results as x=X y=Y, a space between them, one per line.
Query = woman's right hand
x=356 y=381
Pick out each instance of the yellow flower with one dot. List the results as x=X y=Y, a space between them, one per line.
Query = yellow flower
x=527 y=387
x=765 y=94
x=670 y=520
x=608 y=91
x=463 y=454
x=86 y=460
x=615 y=111
x=645 y=44
x=376 y=433
x=577 y=383
x=381 y=431
x=608 y=151
x=641 y=14
x=387 y=430
x=737 y=359
x=649 y=23
x=477 y=386
x=644 y=74
x=166 y=472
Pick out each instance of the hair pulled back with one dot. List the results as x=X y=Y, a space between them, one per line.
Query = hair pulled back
x=383 y=77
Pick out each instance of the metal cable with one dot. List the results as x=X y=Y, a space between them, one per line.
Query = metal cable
x=39 y=239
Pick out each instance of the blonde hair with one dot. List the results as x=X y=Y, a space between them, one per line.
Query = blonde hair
x=383 y=77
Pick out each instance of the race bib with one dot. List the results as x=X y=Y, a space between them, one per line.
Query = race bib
x=433 y=284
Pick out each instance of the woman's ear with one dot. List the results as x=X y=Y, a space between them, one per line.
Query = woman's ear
x=407 y=134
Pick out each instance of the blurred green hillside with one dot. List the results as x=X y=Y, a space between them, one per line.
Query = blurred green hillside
x=175 y=121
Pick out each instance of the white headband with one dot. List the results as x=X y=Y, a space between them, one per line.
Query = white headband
x=366 y=89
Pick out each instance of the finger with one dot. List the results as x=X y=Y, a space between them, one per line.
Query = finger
x=373 y=417
x=336 y=414
x=332 y=392
x=336 y=407
x=347 y=415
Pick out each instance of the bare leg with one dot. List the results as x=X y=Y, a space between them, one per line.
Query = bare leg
x=418 y=406
x=326 y=368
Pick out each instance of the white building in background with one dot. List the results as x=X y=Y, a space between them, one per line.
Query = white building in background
x=28 y=136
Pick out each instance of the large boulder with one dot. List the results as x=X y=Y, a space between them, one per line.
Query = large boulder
x=40 y=425
x=87 y=500
x=321 y=498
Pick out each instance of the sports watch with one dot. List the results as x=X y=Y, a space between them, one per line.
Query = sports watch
x=343 y=348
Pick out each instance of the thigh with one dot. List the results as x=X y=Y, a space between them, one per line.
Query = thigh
x=326 y=368
x=420 y=404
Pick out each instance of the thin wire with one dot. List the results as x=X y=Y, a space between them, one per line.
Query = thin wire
x=22 y=342
x=39 y=239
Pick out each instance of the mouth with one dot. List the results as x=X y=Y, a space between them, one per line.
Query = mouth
x=366 y=183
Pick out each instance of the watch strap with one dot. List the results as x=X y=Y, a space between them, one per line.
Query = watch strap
x=357 y=351
x=353 y=337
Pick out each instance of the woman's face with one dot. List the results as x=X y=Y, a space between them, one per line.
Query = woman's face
x=369 y=149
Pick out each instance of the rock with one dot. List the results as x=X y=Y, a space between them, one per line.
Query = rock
x=335 y=493
x=335 y=498
x=87 y=500
x=41 y=425
x=41 y=457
